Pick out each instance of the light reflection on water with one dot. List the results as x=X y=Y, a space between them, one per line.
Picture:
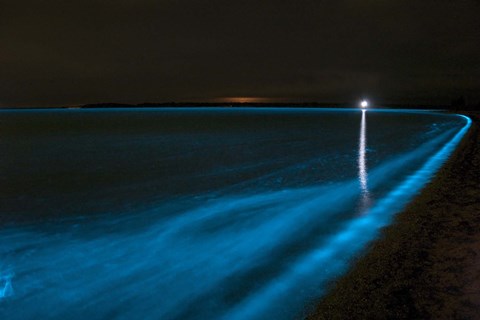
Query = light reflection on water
x=245 y=256
x=362 y=162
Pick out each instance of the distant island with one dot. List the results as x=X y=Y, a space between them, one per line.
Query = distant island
x=455 y=105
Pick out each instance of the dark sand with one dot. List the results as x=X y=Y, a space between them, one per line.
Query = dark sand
x=427 y=263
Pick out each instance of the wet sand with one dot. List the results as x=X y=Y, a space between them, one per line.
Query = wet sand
x=426 y=265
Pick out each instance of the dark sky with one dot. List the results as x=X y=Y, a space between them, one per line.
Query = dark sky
x=68 y=52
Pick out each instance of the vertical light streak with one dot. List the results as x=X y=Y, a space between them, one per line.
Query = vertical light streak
x=362 y=161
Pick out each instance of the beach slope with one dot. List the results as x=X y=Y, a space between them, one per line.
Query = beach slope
x=426 y=265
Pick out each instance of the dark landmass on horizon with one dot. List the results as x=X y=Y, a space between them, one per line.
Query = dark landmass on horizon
x=456 y=105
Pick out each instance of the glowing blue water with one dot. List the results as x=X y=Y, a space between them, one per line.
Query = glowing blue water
x=199 y=214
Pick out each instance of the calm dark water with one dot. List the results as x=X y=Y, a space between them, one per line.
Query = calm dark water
x=199 y=213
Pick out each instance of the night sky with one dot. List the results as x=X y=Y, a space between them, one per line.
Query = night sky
x=59 y=52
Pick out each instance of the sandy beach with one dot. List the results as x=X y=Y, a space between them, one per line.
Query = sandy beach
x=426 y=265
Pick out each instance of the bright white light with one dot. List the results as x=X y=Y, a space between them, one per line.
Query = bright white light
x=362 y=162
x=364 y=103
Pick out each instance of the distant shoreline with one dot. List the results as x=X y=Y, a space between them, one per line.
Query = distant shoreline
x=426 y=264
x=250 y=105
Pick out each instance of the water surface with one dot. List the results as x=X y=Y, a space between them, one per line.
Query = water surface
x=199 y=213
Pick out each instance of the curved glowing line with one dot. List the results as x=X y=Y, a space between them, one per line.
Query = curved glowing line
x=332 y=257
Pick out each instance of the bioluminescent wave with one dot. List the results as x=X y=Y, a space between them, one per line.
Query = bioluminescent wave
x=249 y=227
x=6 y=283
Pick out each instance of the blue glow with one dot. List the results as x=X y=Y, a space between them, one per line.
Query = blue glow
x=332 y=255
x=205 y=261
x=6 y=282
